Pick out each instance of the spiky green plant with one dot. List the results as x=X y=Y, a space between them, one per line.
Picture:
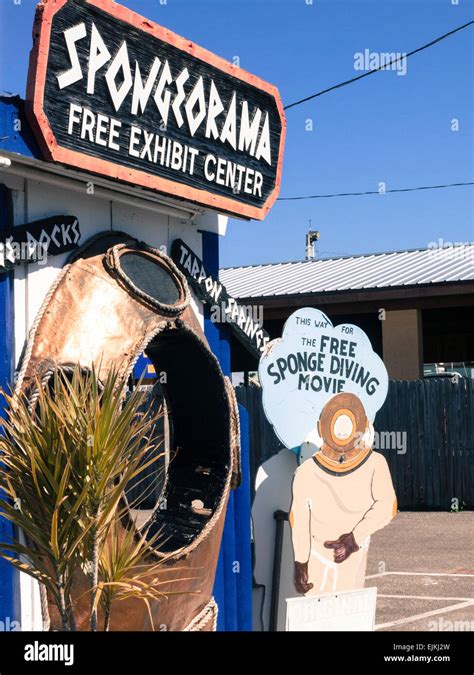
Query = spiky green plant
x=125 y=573
x=66 y=460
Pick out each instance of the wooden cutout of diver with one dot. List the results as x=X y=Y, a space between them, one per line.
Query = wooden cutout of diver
x=341 y=495
x=342 y=491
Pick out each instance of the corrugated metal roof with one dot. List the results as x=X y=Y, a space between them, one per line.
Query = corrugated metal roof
x=379 y=270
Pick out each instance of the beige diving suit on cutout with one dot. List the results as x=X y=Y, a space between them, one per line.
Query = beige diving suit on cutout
x=341 y=495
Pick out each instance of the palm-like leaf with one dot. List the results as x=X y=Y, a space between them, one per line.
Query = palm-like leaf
x=66 y=461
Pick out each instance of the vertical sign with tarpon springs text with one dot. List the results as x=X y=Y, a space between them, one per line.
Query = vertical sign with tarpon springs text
x=115 y=94
x=242 y=321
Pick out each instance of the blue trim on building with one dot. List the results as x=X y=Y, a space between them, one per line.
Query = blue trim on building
x=8 y=574
x=233 y=582
x=144 y=368
x=242 y=518
x=15 y=132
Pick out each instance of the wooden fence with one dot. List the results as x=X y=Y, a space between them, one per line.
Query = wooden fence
x=425 y=429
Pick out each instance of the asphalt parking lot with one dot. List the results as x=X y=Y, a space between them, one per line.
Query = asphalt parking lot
x=423 y=567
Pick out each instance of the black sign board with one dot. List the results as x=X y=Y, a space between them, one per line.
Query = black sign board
x=242 y=320
x=35 y=242
x=115 y=94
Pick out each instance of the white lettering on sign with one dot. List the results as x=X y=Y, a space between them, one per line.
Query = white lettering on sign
x=223 y=308
x=345 y=611
x=74 y=74
x=105 y=131
x=232 y=175
x=125 y=81
x=311 y=362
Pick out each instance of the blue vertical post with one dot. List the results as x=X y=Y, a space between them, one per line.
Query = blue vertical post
x=242 y=512
x=8 y=574
x=232 y=595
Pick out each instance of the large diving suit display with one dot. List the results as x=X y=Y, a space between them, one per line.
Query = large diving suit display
x=115 y=299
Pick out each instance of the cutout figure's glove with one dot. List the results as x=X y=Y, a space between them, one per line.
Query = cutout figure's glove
x=301 y=578
x=343 y=547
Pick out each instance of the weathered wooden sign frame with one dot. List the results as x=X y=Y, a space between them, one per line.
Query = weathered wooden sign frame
x=53 y=56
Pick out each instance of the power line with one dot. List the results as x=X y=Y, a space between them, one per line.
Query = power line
x=381 y=67
x=375 y=192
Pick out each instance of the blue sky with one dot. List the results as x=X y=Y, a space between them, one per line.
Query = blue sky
x=390 y=128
